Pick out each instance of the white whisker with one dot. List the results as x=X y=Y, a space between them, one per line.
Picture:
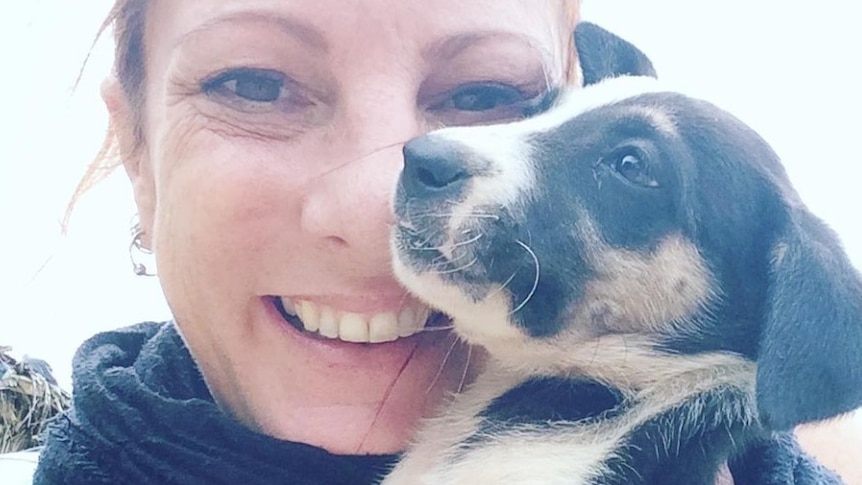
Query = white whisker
x=459 y=268
x=466 y=368
x=467 y=241
x=503 y=286
x=535 y=280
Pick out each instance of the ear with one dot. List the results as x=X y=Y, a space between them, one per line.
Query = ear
x=602 y=54
x=810 y=361
x=132 y=152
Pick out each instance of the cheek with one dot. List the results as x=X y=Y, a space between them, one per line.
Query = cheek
x=224 y=206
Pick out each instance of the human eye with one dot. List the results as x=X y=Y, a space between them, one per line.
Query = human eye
x=483 y=97
x=254 y=90
x=481 y=102
x=478 y=97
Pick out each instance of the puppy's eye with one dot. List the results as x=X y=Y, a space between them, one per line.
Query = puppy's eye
x=634 y=168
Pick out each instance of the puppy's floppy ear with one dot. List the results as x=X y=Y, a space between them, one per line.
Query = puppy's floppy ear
x=810 y=361
x=603 y=55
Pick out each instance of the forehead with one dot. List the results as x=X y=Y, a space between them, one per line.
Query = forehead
x=431 y=27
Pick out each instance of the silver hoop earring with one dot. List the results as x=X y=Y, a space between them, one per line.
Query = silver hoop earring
x=137 y=250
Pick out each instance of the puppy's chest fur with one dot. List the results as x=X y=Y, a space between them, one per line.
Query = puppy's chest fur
x=615 y=412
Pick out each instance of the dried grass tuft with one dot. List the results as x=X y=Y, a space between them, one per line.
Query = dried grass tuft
x=28 y=401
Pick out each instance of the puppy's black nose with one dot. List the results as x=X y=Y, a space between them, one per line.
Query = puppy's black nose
x=432 y=168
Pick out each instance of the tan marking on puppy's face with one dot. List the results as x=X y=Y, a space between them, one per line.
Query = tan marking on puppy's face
x=661 y=293
x=639 y=292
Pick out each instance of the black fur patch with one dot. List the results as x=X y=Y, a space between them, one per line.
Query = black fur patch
x=681 y=448
x=542 y=401
x=603 y=55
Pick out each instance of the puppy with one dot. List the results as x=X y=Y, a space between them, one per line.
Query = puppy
x=653 y=295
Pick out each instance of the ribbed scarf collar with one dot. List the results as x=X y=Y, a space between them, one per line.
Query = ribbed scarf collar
x=142 y=414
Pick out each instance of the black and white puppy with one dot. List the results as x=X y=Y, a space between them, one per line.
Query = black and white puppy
x=653 y=295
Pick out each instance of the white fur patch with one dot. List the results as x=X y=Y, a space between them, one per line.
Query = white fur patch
x=484 y=322
x=659 y=118
x=504 y=162
x=503 y=174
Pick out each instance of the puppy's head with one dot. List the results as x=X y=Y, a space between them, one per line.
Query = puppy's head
x=626 y=209
x=567 y=223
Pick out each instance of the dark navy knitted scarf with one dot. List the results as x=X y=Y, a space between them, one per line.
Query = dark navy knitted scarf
x=142 y=415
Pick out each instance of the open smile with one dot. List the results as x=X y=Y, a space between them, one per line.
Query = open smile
x=329 y=323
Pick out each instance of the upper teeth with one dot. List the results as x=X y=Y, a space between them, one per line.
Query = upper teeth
x=355 y=327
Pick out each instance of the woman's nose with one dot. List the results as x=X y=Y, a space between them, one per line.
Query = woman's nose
x=348 y=209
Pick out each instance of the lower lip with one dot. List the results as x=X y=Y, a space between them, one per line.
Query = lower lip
x=339 y=350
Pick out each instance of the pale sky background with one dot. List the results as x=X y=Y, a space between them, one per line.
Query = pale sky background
x=786 y=67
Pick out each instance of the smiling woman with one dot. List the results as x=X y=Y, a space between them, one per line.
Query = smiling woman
x=262 y=140
x=267 y=130
x=256 y=135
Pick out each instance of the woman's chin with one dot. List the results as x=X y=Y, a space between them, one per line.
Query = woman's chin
x=347 y=429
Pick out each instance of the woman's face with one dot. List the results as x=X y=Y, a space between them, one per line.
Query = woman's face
x=272 y=145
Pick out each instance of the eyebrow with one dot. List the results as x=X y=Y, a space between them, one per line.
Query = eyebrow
x=292 y=26
x=452 y=45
